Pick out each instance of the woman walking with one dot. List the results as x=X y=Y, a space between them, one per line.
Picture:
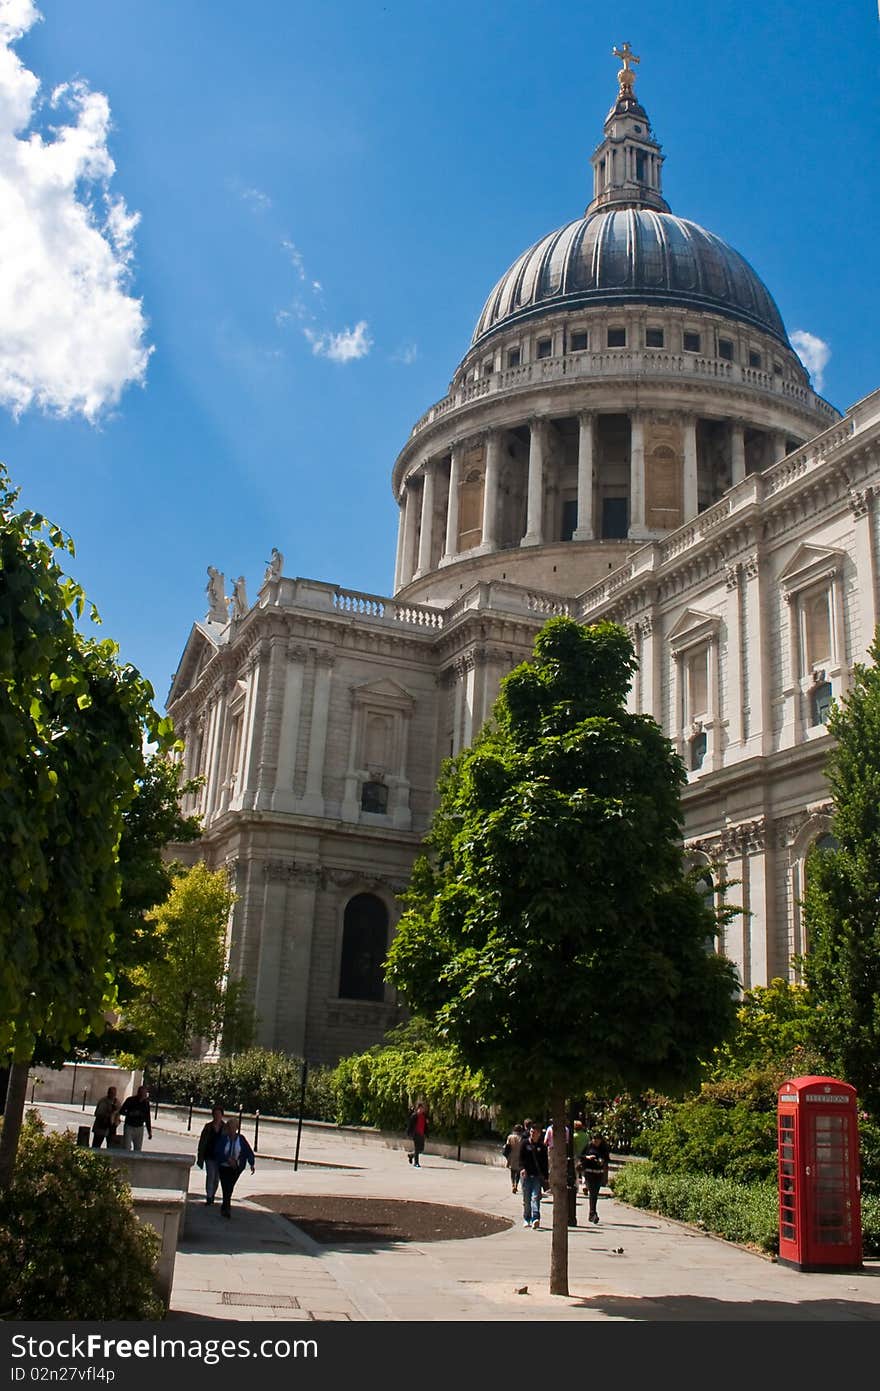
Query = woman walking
x=233 y=1155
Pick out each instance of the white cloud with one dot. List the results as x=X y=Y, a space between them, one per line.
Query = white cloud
x=406 y=354
x=258 y=200
x=813 y=352
x=71 y=336
x=346 y=346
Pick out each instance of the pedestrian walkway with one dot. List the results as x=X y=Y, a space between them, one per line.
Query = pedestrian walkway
x=633 y=1266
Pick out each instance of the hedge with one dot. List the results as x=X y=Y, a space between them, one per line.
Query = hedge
x=744 y=1212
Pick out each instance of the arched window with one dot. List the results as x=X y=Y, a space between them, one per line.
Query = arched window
x=364 y=945
x=374 y=798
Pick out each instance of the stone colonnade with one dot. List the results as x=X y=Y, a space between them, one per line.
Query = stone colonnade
x=679 y=485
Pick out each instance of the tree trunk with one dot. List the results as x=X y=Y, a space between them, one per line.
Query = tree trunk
x=13 y=1112
x=559 y=1186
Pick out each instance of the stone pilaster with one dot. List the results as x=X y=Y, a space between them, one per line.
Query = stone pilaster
x=312 y=803
x=637 y=529
x=689 y=479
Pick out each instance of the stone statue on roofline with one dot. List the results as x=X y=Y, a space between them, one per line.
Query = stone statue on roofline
x=217 y=612
x=240 y=603
x=274 y=567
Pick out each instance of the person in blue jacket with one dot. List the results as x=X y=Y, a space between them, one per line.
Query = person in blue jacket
x=233 y=1153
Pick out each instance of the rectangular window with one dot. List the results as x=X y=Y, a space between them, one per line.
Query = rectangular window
x=544 y=347
x=488 y=367
x=580 y=341
x=514 y=357
x=653 y=338
x=569 y=518
x=725 y=349
x=691 y=342
x=777 y=369
x=640 y=166
x=817 y=628
x=755 y=359
x=697 y=683
x=617 y=337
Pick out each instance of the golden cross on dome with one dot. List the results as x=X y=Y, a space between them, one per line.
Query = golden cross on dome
x=626 y=77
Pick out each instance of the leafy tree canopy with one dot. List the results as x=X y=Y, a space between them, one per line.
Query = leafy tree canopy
x=551 y=931
x=181 y=994
x=842 y=901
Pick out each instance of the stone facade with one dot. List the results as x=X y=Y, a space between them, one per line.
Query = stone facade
x=636 y=451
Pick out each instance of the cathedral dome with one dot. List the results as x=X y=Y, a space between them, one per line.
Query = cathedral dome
x=629 y=255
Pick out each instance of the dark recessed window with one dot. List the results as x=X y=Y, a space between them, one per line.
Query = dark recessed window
x=691 y=342
x=699 y=744
x=374 y=798
x=754 y=358
x=364 y=946
x=777 y=368
x=580 y=342
x=569 y=518
x=617 y=337
x=488 y=367
x=640 y=167
x=514 y=357
x=544 y=347
x=820 y=703
x=653 y=338
x=725 y=349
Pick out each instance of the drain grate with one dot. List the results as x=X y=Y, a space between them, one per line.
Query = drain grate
x=260 y=1301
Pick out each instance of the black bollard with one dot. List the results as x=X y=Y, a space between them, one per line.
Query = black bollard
x=189 y=1121
x=256 y=1131
x=302 y=1103
x=33 y=1085
x=570 y=1175
x=85 y=1094
x=240 y=1114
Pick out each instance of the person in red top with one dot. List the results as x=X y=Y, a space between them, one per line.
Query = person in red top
x=417 y=1130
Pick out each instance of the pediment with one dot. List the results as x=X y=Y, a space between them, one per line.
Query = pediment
x=383 y=692
x=808 y=564
x=201 y=646
x=693 y=626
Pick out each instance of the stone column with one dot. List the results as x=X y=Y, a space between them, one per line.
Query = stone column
x=737 y=451
x=637 y=529
x=689 y=477
x=791 y=674
x=759 y=668
x=296 y=962
x=291 y=708
x=401 y=537
x=409 y=534
x=426 y=535
x=777 y=442
x=862 y=504
x=490 y=492
x=451 y=548
x=733 y=684
x=252 y=731
x=312 y=803
x=535 y=517
x=215 y=772
x=584 y=529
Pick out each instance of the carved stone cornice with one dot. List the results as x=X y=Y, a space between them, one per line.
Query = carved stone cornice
x=747 y=838
x=860 y=501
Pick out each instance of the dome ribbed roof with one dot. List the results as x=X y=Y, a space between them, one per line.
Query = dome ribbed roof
x=629 y=256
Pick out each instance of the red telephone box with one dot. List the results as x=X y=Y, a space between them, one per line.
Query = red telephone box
x=820 y=1218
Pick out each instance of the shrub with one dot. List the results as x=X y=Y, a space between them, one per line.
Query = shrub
x=623 y=1118
x=70 y=1244
x=743 y=1212
x=257 y=1080
x=703 y=1136
x=380 y=1086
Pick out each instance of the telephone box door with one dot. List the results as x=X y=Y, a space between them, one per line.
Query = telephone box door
x=819 y=1201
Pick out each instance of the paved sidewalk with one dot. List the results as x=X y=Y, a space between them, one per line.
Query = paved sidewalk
x=258 y=1266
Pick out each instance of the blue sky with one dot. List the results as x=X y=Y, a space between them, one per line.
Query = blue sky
x=326 y=194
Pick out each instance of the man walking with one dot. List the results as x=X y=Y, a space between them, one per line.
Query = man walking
x=135 y=1111
x=211 y=1144
x=534 y=1175
x=417 y=1130
x=106 y=1119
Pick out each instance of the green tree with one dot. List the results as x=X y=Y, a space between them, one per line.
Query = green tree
x=774 y=1027
x=72 y=725
x=181 y=994
x=552 y=932
x=842 y=900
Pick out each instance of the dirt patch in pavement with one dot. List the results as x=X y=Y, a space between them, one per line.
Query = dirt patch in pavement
x=333 y=1221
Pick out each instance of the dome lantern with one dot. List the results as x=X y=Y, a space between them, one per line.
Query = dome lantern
x=627 y=165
